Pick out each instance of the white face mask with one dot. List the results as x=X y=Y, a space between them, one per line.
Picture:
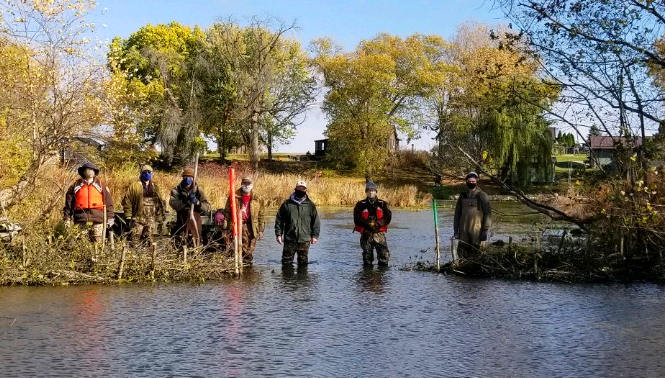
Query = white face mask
x=89 y=174
x=246 y=188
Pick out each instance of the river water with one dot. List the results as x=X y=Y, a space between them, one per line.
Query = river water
x=336 y=319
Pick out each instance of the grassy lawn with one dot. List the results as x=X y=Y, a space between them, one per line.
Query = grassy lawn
x=566 y=158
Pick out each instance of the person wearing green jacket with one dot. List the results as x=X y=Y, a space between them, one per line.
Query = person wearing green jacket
x=297 y=226
x=143 y=207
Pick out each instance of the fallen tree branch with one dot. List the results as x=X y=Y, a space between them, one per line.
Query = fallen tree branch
x=550 y=211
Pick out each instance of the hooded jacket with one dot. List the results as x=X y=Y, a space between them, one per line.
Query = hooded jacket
x=298 y=222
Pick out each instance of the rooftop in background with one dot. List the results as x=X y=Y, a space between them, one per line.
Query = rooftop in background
x=604 y=142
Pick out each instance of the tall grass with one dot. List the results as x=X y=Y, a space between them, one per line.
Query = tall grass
x=276 y=187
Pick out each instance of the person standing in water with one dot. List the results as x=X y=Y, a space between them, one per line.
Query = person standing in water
x=297 y=225
x=250 y=207
x=473 y=217
x=371 y=217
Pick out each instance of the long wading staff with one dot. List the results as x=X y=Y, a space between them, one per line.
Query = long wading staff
x=234 y=220
x=436 y=234
x=195 y=239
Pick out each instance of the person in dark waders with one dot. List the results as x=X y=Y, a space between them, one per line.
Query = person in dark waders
x=297 y=225
x=473 y=218
x=372 y=217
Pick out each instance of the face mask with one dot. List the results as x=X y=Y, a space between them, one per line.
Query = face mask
x=471 y=185
x=146 y=176
x=300 y=193
x=246 y=188
x=187 y=181
x=371 y=194
x=89 y=173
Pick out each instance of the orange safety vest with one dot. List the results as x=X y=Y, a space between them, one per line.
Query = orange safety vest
x=89 y=196
x=365 y=215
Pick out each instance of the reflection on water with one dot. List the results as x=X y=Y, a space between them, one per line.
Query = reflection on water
x=336 y=319
x=372 y=279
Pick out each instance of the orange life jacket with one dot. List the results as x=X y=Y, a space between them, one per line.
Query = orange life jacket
x=89 y=196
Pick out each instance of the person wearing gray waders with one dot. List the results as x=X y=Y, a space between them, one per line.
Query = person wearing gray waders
x=371 y=217
x=473 y=217
x=297 y=225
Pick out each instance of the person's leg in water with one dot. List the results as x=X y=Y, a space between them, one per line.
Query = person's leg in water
x=303 y=252
x=368 y=249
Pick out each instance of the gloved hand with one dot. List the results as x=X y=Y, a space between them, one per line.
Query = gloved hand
x=129 y=222
x=279 y=239
x=483 y=235
x=192 y=198
x=68 y=223
x=110 y=222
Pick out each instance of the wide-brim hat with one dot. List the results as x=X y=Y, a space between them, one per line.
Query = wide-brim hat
x=188 y=172
x=146 y=167
x=88 y=165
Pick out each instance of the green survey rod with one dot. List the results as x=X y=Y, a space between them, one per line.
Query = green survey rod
x=436 y=234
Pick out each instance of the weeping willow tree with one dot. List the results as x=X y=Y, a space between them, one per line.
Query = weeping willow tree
x=492 y=107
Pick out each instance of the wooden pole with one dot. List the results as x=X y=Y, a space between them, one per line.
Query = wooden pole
x=436 y=234
x=104 y=229
x=121 y=268
x=195 y=239
x=234 y=219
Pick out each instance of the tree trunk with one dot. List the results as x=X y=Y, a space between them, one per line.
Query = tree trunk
x=221 y=147
x=269 y=145
x=254 y=151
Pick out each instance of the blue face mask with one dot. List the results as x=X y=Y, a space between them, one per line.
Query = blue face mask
x=146 y=176
x=187 y=181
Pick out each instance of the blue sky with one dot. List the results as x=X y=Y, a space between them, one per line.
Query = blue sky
x=346 y=21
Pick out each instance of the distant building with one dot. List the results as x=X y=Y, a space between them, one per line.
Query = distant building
x=320 y=147
x=603 y=148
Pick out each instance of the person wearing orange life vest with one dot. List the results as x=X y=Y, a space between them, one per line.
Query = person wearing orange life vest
x=372 y=217
x=85 y=201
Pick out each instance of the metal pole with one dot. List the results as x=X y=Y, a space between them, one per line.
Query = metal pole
x=436 y=234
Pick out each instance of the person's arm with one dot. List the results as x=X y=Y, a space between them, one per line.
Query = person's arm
x=487 y=212
x=316 y=223
x=68 y=209
x=279 y=220
x=357 y=217
x=175 y=202
x=458 y=216
x=387 y=215
x=161 y=208
x=203 y=206
x=108 y=201
x=127 y=205
x=260 y=220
